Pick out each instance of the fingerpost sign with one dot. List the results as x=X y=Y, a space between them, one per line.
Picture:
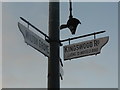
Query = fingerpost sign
x=86 y=48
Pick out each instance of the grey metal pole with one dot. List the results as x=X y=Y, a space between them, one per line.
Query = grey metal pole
x=53 y=62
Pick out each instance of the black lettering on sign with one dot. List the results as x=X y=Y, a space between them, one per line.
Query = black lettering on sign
x=81 y=46
x=34 y=40
x=77 y=47
x=95 y=50
x=65 y=49
x=27 y=35
x=86 y=51
x=86 y=45
x=41 y=45
x=96 y=43
x=72 y=48
x=71 y=54
x=91 y=44
x=31 y=38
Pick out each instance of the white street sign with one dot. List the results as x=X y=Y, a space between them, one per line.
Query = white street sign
x=34 y=40
x=86 y=48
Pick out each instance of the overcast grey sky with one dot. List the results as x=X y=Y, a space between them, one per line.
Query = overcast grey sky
x=24 y=67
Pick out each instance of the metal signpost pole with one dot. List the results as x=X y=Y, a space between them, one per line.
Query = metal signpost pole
x=53 y=61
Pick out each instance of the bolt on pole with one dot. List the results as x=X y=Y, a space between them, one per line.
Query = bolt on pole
x=53 y=60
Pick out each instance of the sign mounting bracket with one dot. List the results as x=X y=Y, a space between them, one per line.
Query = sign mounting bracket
x=86 y=35
x=34 y=27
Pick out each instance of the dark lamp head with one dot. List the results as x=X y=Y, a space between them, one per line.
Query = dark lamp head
x=72 y=24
